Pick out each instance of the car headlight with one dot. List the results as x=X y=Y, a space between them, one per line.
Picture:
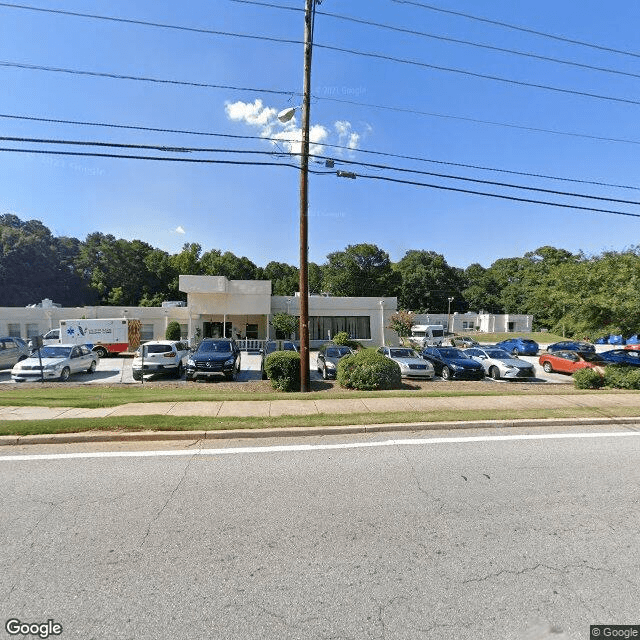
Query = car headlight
x=510 y=367
x=330 y=365
x=52 y=367
x=403 y=365
x=456 y=367
x=190 y=363
x=229 y=361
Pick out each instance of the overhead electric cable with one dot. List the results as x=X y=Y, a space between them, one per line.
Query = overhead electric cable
x=119 y=145
x=583 y=43
x=433 y=36
x=495 y=195
x=325 y=144
x=281 y=164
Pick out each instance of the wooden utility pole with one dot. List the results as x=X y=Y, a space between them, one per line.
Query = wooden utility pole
x=305 y=382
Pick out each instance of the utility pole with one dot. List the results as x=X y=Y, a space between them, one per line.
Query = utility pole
x=305 y=382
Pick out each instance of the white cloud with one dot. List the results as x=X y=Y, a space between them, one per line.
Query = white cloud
x=288 y=136
x=180 y=230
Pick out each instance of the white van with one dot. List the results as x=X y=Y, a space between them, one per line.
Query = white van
x=428 y=335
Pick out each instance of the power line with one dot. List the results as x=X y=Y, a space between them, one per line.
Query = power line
x=145 y=23
x=473 y=74
x=583 y=43
x=281 y=164
x=324 y=144
x=164 y=148
x=495 y=195
x=433 y=36
x=119 y=76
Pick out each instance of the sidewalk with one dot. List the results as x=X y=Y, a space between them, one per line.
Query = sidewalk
x=272 y=408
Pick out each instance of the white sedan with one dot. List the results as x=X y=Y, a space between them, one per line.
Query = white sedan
x=411 y=364
x=55 y=362
x=498 y=363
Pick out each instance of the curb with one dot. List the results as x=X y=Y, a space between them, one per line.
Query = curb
x=151 y=436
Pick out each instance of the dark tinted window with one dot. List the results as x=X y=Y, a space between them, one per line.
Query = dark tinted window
x=221 y=346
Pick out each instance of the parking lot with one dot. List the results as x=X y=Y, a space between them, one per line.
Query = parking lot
x=113 y=370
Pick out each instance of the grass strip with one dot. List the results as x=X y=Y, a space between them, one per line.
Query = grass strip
x=199 y=423
x=93 y=397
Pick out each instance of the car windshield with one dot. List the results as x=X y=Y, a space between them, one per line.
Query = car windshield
x=158 y=348
x=451 y=353
x=402 y=353
x=498 y=354
x=528 y=342
x=590 y=357
x=54 y=352
x=337 y=352
x=222 y=347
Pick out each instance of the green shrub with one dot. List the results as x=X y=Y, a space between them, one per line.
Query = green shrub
x=283 y=369
x=620 y=376
x=342 y=339
x=587 y=378
x=368 y=370
x=173 y=331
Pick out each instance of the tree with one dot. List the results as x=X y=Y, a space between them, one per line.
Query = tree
x=285 y=279
x=173 y=331
x=216 y=263
x=360 y=270
x=284 y=324
x=401 y=322
x=427 y=281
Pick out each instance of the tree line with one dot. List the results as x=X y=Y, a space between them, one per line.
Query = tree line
x=578 y=294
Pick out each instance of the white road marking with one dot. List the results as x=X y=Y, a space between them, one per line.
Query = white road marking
x=315 y=447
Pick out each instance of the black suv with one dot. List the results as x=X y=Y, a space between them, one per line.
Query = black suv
x=214 y=357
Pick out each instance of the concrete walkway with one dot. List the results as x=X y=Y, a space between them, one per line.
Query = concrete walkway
x=272 y=408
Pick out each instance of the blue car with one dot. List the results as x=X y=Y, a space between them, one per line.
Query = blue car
x=519 y=346
x=621 y=356
x=452 y=364
x=572 y=345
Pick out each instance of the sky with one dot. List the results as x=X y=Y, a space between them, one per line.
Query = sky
x=473 y=115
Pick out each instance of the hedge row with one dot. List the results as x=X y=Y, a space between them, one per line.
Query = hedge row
x=616 y=376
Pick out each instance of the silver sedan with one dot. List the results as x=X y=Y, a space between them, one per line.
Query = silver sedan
x=498 y=363
x=55 y=362
x=411 y=364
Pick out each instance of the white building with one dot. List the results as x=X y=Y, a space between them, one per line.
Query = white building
x=484 y=322
x=243 y=307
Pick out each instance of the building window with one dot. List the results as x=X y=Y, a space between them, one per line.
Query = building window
x=146 y=332
x=467 y=324
x=33 y=329
x=325 y=327
x=13 y=329
x=252 y=332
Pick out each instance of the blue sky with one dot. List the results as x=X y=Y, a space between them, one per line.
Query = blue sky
x=253 y=211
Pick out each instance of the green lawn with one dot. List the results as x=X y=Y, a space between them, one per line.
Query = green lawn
x=196 y=423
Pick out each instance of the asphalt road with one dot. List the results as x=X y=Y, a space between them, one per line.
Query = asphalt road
x=416 y=538
x=112 y=370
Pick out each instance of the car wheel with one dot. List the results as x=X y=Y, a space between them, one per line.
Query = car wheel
x=101 y=352
x=64 y=374
x=179 y=371
x=92 y=367
x=324 y=373
x=446 y=373
x=494 y=372
x=547 y=367
x=516 y=352
x=137 y=375
x=264 y=374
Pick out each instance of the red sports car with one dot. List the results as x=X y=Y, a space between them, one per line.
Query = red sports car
x=570 y=361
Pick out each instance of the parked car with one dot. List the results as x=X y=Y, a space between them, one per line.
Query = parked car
x=12 y=351
x=621 y=356
x=453 y=364
x=329 y=355
x=464 y=342
x=411 y=364
x=571 y=345
x=498 y=363
x=519 y=346
x=632 y=347
x=214 y=357
x=269 y=347
x=164 y=357
x=570 y=361
x=59 y=361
